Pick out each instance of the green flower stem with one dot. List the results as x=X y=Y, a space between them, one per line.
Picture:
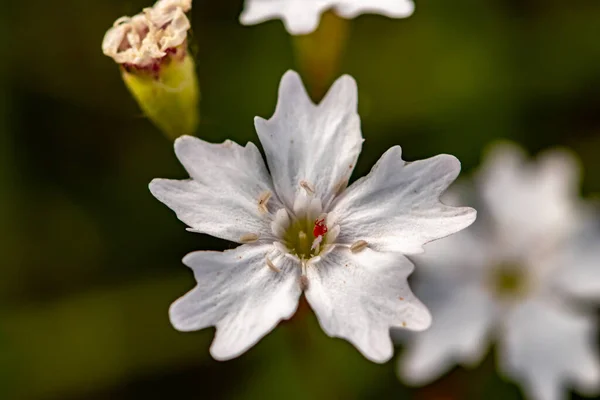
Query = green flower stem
x=319 y=54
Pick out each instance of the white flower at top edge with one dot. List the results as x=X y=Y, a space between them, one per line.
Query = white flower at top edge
x=147 y=37
x=303 y=230
x=519 y=275
x=302 y=16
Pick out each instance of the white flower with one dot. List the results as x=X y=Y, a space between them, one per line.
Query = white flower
x=302 y=16
x=302 y=229
x=515 y=277
x=145 y=38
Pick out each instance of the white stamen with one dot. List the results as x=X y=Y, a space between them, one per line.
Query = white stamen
x=326 y=250
x=313 y=260
x=307 y=186
x=358 y=246
x=315 y=208
x=271 y=265
x=249 y=238
x=263 y=199
x=316 y=244
x=292 y=257
x=280 y=223
x=281 y=247
x=333 y=233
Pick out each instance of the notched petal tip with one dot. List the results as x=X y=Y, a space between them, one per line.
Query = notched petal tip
x=342 y=94
x=183 y=142
x=291 y=88
x=154 y=185
x=222 y=353
x=260 y=123
x=424 y=323
x=380 y=358
x=290 y=77
x=450 y=163
x=176 y=316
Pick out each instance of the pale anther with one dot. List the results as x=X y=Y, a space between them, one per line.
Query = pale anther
x=358 y=246
x=263 y=200
x=308 y=187
x=249 y=238
x=271 y=265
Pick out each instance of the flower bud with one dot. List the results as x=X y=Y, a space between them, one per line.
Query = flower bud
x=151 y=48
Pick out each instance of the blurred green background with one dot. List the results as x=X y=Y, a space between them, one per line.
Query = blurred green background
x=91 y=261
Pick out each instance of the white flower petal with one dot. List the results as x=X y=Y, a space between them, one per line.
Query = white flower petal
x=461 y=320
x=578 y=264
x=302 y=16
x=548 y=348
x=464 y=255
x=543 y=192
x=360 y=296
x=299 y=16
x=389 y=8
x=222 y=198
x=239 y=294
x=396 y=207
x=316 y=144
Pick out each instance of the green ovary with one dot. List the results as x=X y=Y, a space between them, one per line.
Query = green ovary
x=299 y=239
x=509 y=280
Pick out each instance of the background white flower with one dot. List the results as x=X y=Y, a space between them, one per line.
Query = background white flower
x=301 y=229
x=515 y=276
x=302 y=16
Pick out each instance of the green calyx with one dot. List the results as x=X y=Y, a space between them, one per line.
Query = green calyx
x=169 y=94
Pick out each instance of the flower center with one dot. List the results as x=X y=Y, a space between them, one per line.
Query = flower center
x=305 y=237
x=508 y=280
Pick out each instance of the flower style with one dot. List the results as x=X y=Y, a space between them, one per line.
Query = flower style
x=302 y=16
x=516 y=274
x=301 y=229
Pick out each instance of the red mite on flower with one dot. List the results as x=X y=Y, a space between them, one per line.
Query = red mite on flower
x=320 y=228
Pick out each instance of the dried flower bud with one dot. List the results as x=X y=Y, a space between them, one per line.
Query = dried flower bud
x=151 y=48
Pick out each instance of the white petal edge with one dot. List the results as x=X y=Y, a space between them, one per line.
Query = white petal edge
x=222 y=198
x=578 y=264
x=301 y=17
x=548 y=348
x=360 y=296
x=317 y=144
x=396 y=207
x=389 y=8
x=239 y=294
x=458 y=335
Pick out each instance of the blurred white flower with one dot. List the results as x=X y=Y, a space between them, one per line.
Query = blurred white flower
x=302 y=16
x=516 y=277
x=146 y=38
x=301 y=229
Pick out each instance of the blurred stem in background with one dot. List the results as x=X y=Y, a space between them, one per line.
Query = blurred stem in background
x=319 y=54
x=170 y=96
